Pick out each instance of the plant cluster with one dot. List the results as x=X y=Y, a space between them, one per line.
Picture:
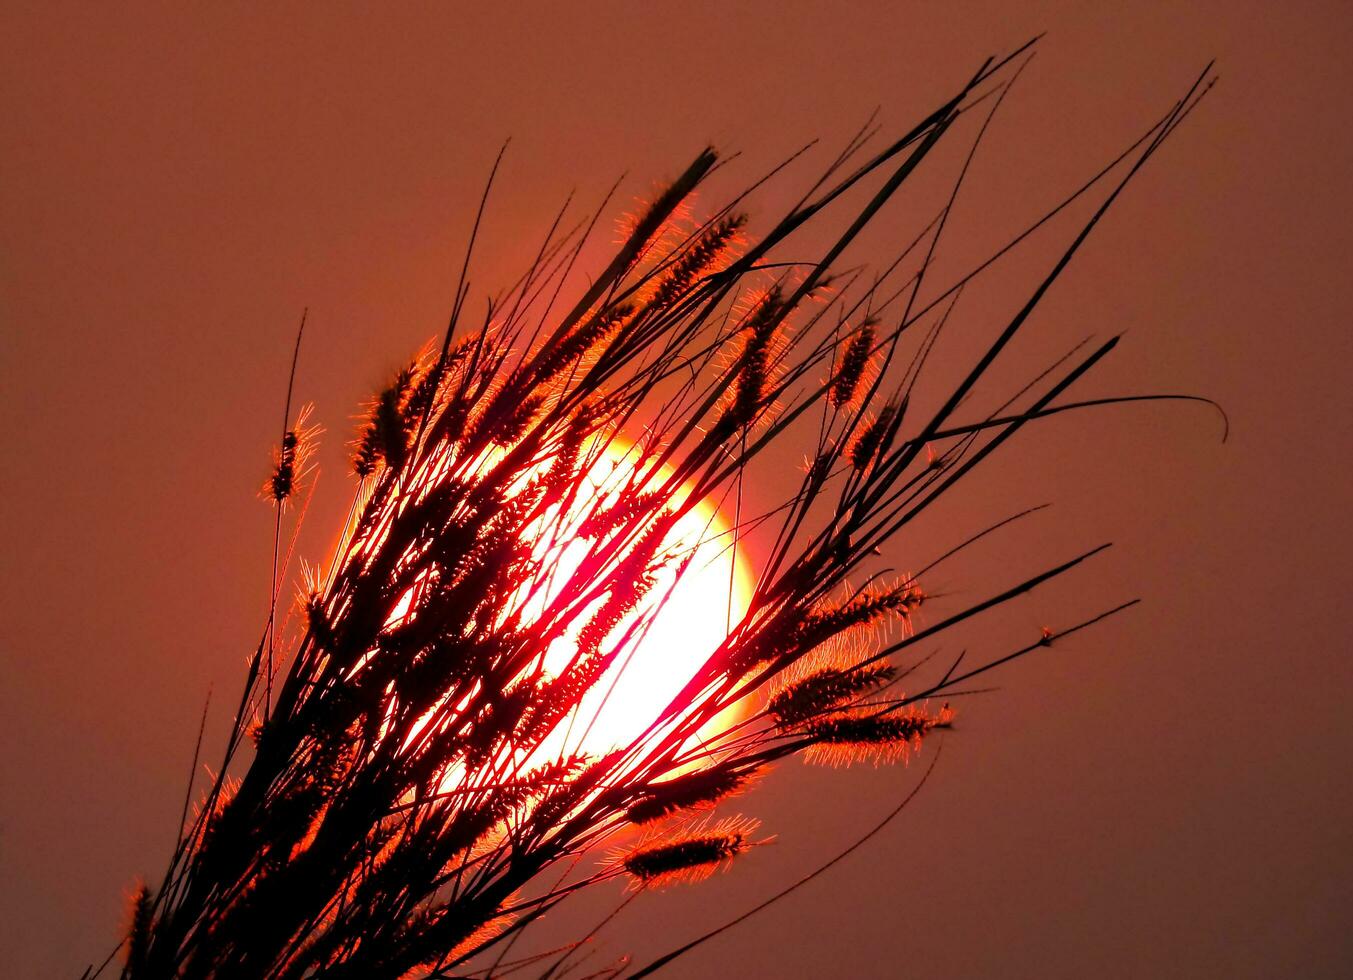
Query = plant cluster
x=409 y=784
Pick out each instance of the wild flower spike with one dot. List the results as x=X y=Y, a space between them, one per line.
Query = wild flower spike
x=819 y=469
x=554 y=804
x=420 y=398
x=321 y=630
x=367 y=455
x=496 y=721
x=644 y=227
x=559 y=697
x=765 y=314
x=578 y=343
x=564 y=465
x=290 y=460
x=632 y=580
x=630 y=507
x=391 y=431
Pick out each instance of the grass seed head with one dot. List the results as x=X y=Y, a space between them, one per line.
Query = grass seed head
x=139 y=933
x=697 y=790
x=696 y=260
x=844 y=739
x=850 y=367
x=691 y=856
x=825 y=690
x=290 y=459
x=872 y=440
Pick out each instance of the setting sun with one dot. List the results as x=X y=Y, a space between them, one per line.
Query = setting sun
x=697 y=593
x=679 y=622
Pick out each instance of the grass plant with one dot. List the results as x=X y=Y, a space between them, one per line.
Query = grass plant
x=406 y=785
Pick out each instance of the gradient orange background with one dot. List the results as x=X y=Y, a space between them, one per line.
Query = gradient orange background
x=1168 y=795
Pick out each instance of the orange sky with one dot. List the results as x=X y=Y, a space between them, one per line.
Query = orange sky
x=1167 y=795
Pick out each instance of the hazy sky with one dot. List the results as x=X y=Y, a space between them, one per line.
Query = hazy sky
x=1168 y=795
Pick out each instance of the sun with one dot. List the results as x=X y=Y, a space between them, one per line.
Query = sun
x=676 y=627
x=678 y=624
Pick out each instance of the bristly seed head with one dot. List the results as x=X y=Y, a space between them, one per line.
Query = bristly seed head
x=692 y=857
x=697 y=790
x=514 y=426
x=321 y=630
x=850 y=368
x=825 y=690
x=139 y=934
x=601 y=325
x=750 y=383
x=821 y=625
x=696 y=259
x=871 y=441
x=882 y=737
x=290 y=460
x=391 y=422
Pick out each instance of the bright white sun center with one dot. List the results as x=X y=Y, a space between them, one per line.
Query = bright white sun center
x=702 y=588
x=678 y=624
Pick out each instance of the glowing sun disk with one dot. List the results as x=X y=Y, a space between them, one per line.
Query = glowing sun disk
x=677 y=624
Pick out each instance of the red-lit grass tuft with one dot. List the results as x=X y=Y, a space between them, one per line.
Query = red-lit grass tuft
x=689 y=855
x=422 y=782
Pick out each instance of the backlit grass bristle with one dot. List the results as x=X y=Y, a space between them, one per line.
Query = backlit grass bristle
x=564 y=466
x=841 y=740
x=291 y=459
x=825 y=690
x=596 y=329
x=631 y=582
x=284 y=474
x=697 y=790
x=820 y=625
x=385 y=435
x=392 y=428
x=750 y=384
x=481 y=935
x=696 y=260
x=514 y=425
x=619 y=515
x=689 y=857
x=642 y=230
x=138 y=934
x=423 y=393
x=318 y=623
x=850 y=367
x=873 y=438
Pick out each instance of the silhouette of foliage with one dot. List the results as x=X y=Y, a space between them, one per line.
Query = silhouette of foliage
x=415 y=792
